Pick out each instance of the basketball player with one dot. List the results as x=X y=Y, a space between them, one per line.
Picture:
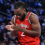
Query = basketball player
x=26 y=23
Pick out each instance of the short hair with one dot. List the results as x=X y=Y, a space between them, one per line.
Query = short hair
x=21 y=5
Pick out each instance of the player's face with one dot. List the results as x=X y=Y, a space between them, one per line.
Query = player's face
x=20 y=13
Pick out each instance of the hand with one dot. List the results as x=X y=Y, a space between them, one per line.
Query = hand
x=16 y=27
x=13 y=27
x=8 y=27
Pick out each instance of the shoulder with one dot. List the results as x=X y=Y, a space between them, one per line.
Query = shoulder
x=13 y=18
x=33 y=17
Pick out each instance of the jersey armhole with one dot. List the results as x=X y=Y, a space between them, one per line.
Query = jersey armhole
x=28 y=17
x=14 y=19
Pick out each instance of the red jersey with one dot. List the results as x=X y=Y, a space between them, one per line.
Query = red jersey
x=26 y=38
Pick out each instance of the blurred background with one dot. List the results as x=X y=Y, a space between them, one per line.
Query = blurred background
x=7 y=12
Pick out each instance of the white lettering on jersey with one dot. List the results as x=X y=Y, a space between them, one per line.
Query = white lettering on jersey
x=23 y=25
x=22 y=34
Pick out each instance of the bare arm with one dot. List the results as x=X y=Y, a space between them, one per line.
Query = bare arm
x=36 y=29
x=12 y=20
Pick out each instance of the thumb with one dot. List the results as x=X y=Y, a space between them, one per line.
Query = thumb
x=11 y=23
x=6 y=26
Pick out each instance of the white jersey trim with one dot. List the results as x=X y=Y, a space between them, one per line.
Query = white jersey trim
x=28 y=17
x=14 y=19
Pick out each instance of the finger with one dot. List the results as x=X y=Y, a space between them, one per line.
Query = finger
x=11 y=23
x=6 y=26
x=12 y=30
x=12 y=26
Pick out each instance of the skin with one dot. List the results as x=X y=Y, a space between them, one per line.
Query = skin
x=36 y=29
x=19 y=13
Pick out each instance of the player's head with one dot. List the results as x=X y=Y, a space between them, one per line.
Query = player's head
x=20 y=9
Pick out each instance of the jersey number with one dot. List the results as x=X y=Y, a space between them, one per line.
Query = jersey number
x=22 y=34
